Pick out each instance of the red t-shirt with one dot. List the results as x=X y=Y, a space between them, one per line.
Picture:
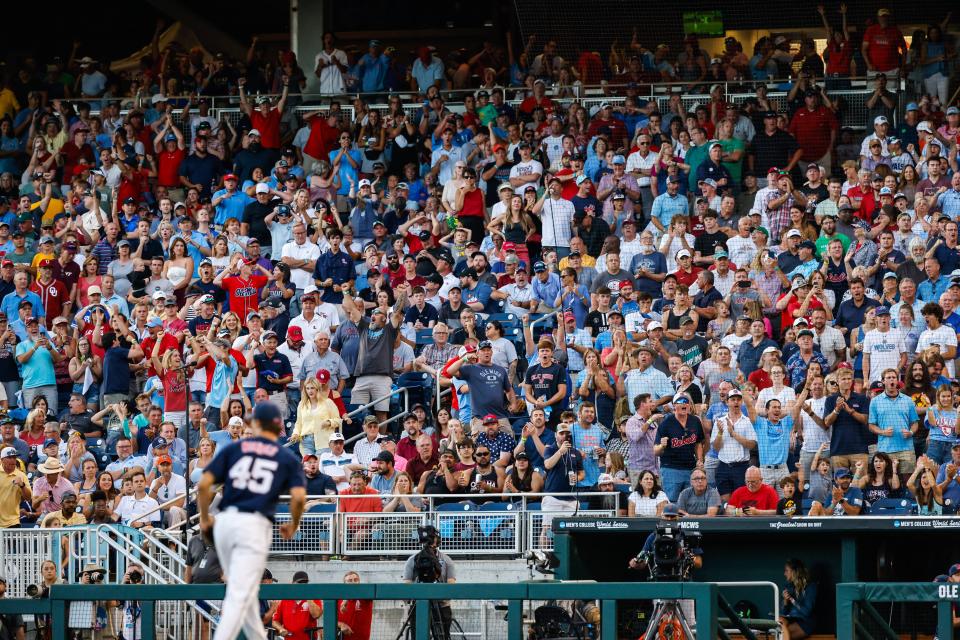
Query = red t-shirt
x=794 y=304
x=88 y=333
x=268 y=126
x=687 y=278
x=322 y=140
x=53 y=295
x=368 y=502
x=168 y=167
x=472 y=205
x=883 y=45
x=243 y=295
x=133 y=187
x=760 y=378
x=167 y=342
x=295 y=617
x=174 y=392
x=358 y=615
x=812 y=130
x=766 y=498
x=530 y=103
x=840 y=56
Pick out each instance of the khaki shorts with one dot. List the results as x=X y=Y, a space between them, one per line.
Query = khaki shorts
x=906 y=460
x=848 y=461
x=370 y=388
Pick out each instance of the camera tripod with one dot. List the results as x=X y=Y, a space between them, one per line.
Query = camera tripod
x=668 y=622
x=435 y=621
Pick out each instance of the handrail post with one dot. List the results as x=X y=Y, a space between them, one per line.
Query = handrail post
x=515 y=620
x=422 y=618
x=148 y=619
x=329 y=618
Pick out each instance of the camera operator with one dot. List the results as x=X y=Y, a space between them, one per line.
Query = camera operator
x=11 y=624
x=431 y=565
x=49 y=576
x=671 y=514
x=131 y=608
x=87 y=619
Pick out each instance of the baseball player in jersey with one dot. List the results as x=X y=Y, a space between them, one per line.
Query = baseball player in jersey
x=255 y=472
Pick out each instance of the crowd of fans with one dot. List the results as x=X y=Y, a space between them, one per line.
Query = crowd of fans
x=740 y=309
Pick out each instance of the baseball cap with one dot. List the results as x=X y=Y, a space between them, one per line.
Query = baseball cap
x=793 y=233
x=882 y=310
x=605 y=478
x=670 y=509
x=337 y=437
x=8 y=452
x=235 y=420
x=563 y=428
x=262 y=187
x=619 y=160
x=681 y=398
x=771 y=350
x=683 y=253
x=254 y=132
x=842 y=472
x=160 y=441
x=485 y=344
x=46 y=443
x=653 y=326
x=539 y=267
x=267 y=413
x=154 y=322
x=735 y=391
x=880 y=120
x=952 y=111
x=301 y=577
x=295 y=333
x=164 y=459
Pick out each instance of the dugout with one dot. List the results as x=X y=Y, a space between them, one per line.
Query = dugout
x=861 y=549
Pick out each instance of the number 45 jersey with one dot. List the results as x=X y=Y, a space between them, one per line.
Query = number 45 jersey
x=255 y=473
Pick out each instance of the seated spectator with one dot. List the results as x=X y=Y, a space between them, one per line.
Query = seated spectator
x=647 y=499
x=845 y=499
x=754 y=498
x=361 y=499
x=699 y=499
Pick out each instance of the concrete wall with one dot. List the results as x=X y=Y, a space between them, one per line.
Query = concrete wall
x=307 y=21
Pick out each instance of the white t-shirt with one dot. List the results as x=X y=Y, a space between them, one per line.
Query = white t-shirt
x=554 y=147
x=884 y=349
x=787 y=396
x=637 y=162
x=301 y=278
x=944 y=336
x=557 y=215
x=331 y=78
x=130 y=509
x=177 y=486
x=813 y=434
x=526 y=169
x=830 y=341
x=646 y=506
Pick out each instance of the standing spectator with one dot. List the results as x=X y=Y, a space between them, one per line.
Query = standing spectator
x=734 y=439
x=37 y=356
x=846 y=412
x=893 y=417
x=378 y=335
x=329 y=66
x=884 y=47
x=815 y=128
x=200 y=170
x=489 y=384
x=293 y=618
x=14 y=488
x=679 y=446
x=773 y=147
x=372 y=68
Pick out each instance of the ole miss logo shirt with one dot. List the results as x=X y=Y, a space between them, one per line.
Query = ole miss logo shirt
x=243 y=295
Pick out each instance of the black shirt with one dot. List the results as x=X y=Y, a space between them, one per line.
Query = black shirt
x=596 y=322
x=772 y=150
x=708 y=243
x=203 y=562
x=254 y=214
x=81 y=422
x=279 y=364
x=545 y=381
x=500 y=176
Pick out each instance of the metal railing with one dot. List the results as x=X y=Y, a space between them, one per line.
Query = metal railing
x=149 y=597
x=469 y=524
x=857 y=616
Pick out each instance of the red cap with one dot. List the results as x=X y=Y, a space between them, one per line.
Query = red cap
x=489 y=418
x=509 y=246
x=46 y=262
x=498 y=147
x=295 y=333
x=249 y=261
x=569 y=316
x=844 y=365
x=6 y=263
x=626 y=283
x=323 y=376
x=310 y=455
x=229 y=176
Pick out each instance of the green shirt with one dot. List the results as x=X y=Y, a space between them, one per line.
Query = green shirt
x=695 y=157
x=824 y=240
x=735 y=168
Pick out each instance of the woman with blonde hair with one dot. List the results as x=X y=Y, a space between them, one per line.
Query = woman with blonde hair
x=317 y=415
x=206 y=448
x=170 y=370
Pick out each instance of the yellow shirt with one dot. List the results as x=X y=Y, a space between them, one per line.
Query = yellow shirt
x=586 y=260
x=76 y=519
x=10 y=497
x=54 y=208
x=8 y=103
x=310 y=419
x=41 y=256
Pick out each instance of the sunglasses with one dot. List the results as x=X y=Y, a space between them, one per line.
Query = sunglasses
x=481 y=454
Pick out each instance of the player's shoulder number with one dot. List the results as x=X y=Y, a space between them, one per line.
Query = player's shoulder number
x=253 y=474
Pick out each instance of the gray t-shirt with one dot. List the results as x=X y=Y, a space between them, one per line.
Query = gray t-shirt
x=489 y=385
x=696 y=505
x=448 y=571
x=376 y=349
x=204 y=561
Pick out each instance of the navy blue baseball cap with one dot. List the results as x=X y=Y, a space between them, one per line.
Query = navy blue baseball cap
x=267 y=413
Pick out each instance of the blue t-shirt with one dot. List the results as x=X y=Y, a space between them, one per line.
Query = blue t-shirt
x=38 y=370
x=231 y=207
x=224 y=375
x=557 y=480
x=116 y=370
x=587 y=441
x=255 y=472
x=773 y=440
x=489 y=385
x=896 y=413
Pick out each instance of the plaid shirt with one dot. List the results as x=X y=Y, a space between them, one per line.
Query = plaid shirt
x=779 y=217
